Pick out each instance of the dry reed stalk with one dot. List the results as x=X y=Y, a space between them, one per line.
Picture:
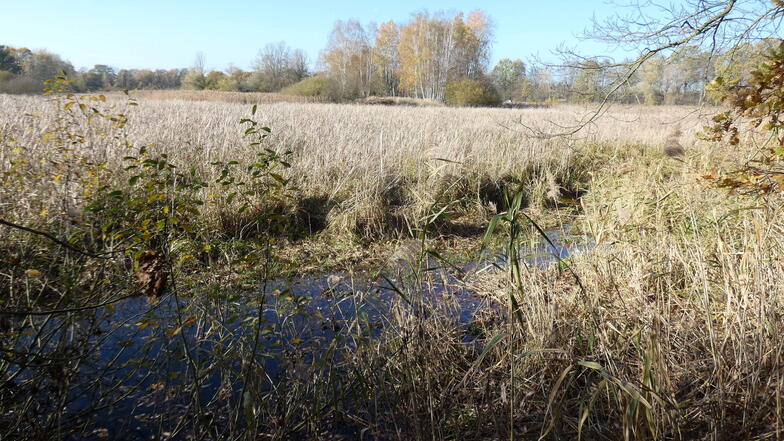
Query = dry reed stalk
x=370 y=165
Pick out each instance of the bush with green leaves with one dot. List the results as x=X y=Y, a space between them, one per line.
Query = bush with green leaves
x=315 y=86
x=86 y=204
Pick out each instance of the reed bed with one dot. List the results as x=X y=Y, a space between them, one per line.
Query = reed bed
x=398 y=101
x=370 y=171
x=671 y=333
x=666 y=327
x=248 y=98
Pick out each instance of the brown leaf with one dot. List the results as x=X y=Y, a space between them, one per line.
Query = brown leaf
x=151 y=274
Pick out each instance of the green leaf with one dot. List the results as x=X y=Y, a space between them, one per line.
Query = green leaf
x=396 y=289
x=490 y=345
x=590 y=365
x=490 y=229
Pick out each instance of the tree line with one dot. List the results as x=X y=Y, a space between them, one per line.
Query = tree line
x=25 y=71
x=680 y=77
x=443 y=57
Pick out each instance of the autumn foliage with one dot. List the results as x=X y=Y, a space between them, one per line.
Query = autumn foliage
x=758 y=103
x=471 y=92
x=417 y=58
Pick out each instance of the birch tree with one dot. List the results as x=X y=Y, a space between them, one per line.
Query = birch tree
x=349 y=59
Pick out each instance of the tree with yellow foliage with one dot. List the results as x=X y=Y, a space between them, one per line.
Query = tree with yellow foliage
x=435 y=50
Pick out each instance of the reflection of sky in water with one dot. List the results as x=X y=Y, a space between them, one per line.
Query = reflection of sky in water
x=136 y=360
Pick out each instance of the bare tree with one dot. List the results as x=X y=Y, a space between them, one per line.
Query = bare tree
x=651 y=30
x=278 y=66
x=298 y=65
x=198 y=63
x=271 y=65
x=348 y=58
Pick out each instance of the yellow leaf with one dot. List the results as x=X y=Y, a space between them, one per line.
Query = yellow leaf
x=33 y=273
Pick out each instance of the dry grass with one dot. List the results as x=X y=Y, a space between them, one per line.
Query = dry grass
x=398 y=101
x=676 y=334
x=248 y=98
x=372 y=170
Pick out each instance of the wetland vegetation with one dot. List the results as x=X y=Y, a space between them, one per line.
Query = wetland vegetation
x=209 y=264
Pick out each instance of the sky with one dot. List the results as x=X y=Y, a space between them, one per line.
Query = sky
x=169 y=33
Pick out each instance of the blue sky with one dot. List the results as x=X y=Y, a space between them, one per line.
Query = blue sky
x=169 y=33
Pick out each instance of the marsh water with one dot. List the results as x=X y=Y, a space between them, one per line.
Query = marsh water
x=137 y=358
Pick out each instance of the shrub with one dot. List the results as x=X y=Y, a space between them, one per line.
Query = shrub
x=227 y=84
x=21 y=85
x=5 y=76
x=194 y=80
x=397 y=101
x=315 y=86
x=471 y=92
x=760 y=104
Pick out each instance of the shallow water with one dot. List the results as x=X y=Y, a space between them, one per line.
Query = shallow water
x=132 y=354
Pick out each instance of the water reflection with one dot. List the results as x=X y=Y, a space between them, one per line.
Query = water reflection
x=134 y=367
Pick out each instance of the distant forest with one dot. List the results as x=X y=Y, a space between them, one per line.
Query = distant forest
x=441 y=57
